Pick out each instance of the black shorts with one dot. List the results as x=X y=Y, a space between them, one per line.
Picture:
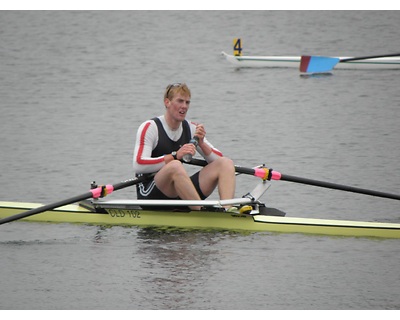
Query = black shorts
x=149 y=191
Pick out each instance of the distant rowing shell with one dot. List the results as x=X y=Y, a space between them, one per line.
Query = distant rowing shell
x=294 y=62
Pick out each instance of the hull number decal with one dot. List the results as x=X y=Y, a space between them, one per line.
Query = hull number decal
x=117 y=213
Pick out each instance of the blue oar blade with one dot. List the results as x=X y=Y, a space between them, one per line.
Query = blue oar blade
x=312 y=64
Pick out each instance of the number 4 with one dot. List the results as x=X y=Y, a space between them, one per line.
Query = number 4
x=237 y=47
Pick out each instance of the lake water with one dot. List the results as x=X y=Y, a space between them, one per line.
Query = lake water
x=75 y=86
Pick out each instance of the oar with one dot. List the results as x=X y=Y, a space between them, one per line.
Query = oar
x=268 y=174
x=312 y=64
x=93 y=193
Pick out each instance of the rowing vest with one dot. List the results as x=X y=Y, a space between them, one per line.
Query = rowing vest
x=164 y=146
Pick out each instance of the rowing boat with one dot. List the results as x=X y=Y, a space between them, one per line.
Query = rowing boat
x=122 y=213
x=294 y=62
x=259 y=219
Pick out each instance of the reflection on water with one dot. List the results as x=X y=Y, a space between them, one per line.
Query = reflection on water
x=315 y=75
x=178 y=263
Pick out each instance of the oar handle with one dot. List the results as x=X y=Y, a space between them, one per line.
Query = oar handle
x=263 y=173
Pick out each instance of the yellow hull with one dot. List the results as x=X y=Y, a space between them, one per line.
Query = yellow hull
x=208 y=220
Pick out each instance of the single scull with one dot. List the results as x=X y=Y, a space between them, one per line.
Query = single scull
x=213 y=217
x=294 y=62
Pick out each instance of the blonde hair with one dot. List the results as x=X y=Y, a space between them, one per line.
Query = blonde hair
x=172 y=89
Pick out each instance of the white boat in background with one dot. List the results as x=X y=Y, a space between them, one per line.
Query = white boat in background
x=294 y=62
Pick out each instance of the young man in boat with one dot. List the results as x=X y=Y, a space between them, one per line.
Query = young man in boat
x=161 y=144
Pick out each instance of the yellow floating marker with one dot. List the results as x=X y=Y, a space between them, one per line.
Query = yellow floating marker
x=237 y=47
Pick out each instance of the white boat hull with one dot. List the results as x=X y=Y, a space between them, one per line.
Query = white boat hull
x=294 y=62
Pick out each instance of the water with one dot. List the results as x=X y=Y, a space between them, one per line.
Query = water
x=75 y=86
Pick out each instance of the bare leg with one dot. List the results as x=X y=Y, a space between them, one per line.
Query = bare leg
x=173 y=181
x=221 y=173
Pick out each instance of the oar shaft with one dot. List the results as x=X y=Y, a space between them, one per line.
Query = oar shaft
x=93 y=193
x=45 y=208
x=335 y=186
x=265 y=173
x=371 y=57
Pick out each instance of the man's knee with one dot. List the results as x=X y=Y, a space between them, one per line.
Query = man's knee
x=176 y=167
x=226 y=163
